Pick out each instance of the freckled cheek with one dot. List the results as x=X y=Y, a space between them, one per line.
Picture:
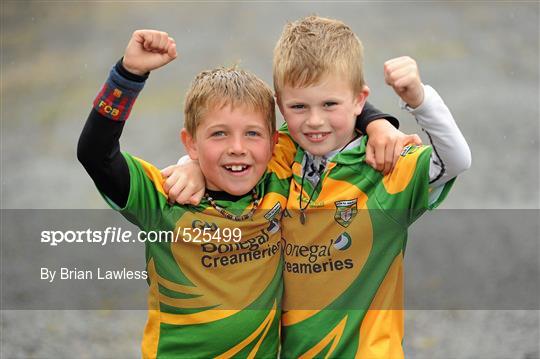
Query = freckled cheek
x=261 y=152
x=294 y=127
x=342 y=121
x=212 y=155
x=268 y=154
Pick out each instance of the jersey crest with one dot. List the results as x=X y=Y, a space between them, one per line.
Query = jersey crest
x=345 y=211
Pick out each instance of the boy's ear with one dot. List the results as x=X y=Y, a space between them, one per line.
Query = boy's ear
x=189 y=144
x=274 y=140
x=278 y=102
x=360 y=100
x=275 y=137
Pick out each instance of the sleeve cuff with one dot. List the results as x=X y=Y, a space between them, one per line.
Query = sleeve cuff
x=183 y=160
x=429 y=96
x=118 y=95
x=129 y=75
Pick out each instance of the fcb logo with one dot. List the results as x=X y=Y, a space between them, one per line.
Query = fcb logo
x=117 y=93
x=345 y=211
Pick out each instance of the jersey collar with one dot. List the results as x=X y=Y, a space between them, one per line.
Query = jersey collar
x=355 y=153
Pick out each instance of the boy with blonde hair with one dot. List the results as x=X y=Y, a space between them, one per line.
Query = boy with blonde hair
x=216 y=284
x=345 y=228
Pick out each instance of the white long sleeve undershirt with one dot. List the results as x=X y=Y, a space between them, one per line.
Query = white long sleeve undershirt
x=451 y=154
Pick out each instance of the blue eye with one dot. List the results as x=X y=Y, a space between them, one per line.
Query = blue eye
x=253 y=133
x=218 y=134
x=330 y=104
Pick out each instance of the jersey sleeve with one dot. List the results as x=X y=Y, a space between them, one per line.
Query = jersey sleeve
x=146 y=200
x=405 y=194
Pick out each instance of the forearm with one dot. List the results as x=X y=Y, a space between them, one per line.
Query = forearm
x=99 y=148
x=451 y=154
x=369 y=114
x=99 y=152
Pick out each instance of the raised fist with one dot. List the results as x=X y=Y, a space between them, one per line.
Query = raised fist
x=402 y=74
x=148 y=50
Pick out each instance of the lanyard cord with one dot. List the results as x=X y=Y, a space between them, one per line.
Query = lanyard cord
x=303 y=216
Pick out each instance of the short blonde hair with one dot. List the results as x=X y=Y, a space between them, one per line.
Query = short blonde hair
x=220 y=87
x=314 y=47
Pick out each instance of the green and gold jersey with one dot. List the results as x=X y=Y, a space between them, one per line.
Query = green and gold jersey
x=343 y=269
x=211 y=295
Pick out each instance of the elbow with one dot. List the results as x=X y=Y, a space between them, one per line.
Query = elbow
x=83 y=152
x=464 y=162
x=467 y=164
x=459 y=163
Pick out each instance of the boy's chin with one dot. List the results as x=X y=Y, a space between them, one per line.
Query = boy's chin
x=237 y=190
x=316 y=150
x=321 y=149
x=242 y=185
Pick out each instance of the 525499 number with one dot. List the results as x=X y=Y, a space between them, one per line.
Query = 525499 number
x=205 y=235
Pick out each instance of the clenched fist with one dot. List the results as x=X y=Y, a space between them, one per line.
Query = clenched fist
x=148 y=50
x=402 y=74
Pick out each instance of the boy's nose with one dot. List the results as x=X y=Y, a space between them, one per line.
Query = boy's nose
x=315 y=119
x=236 y=147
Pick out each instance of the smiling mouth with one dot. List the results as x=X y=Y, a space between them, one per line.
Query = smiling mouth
x=317 y=136
x=236 y=168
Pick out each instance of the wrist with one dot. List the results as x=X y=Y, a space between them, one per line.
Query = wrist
x=184 y=160
x=133 y=70
x=417 y=100
x=417 y=104
x=130 y=73
x=376 y=125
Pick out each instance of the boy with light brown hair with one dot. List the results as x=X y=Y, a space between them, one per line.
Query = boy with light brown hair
x=215 y=286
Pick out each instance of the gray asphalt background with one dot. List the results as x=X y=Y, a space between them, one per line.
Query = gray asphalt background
x=482 y=57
